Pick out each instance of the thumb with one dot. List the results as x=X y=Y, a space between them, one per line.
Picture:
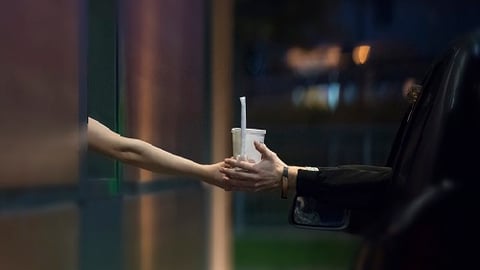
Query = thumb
x=263 y=149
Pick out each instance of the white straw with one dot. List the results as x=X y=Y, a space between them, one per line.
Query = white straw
x=243 y=126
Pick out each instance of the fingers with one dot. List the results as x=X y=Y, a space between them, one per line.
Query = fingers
x=240 y=180
x=261 y=147
x=227 y=186
x=264 y=150
x=244 y=165
x=239 y=174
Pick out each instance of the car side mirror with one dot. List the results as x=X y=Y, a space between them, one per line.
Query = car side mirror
x=311 y=213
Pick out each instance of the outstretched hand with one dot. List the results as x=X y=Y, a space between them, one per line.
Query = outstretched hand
x=215 y=176
x=248 y=176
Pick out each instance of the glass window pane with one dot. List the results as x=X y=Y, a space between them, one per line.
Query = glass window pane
x=44 y=239
x=164 y=75
x=39 y=100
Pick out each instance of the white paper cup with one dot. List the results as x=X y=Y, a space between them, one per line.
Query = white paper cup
x=251 y=136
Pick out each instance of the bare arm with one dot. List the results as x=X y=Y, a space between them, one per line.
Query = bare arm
x=144 y=155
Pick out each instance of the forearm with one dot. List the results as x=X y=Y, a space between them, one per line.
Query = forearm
x=144 y=155
x=351 y=185
x=140 y=153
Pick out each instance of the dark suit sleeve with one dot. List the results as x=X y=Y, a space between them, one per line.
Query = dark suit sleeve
x=352 y=186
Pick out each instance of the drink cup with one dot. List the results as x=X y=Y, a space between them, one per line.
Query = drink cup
x=251 y=135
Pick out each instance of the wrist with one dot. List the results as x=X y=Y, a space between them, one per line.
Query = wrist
x=201 y=171
x=292 y=177
x=284 y=182
x=288 y=178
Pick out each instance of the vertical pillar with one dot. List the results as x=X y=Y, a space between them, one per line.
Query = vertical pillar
x=221 y=57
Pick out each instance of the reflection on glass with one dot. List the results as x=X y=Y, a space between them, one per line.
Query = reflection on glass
x=164 y=67
x=45 y=239
x=310 y=211
x=39 y=126
x=166 y=230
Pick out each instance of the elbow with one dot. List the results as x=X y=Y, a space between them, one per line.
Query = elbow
x=131 y=152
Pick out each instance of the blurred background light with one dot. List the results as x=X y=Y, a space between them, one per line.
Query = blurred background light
x=313 y=61
x=360 y=54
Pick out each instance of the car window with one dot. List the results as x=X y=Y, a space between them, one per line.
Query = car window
x=418 y=131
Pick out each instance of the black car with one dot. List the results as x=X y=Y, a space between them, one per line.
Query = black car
x=431 y=223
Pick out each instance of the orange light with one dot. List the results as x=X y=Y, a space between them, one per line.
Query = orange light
x=360 y=54
x=315 y=60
